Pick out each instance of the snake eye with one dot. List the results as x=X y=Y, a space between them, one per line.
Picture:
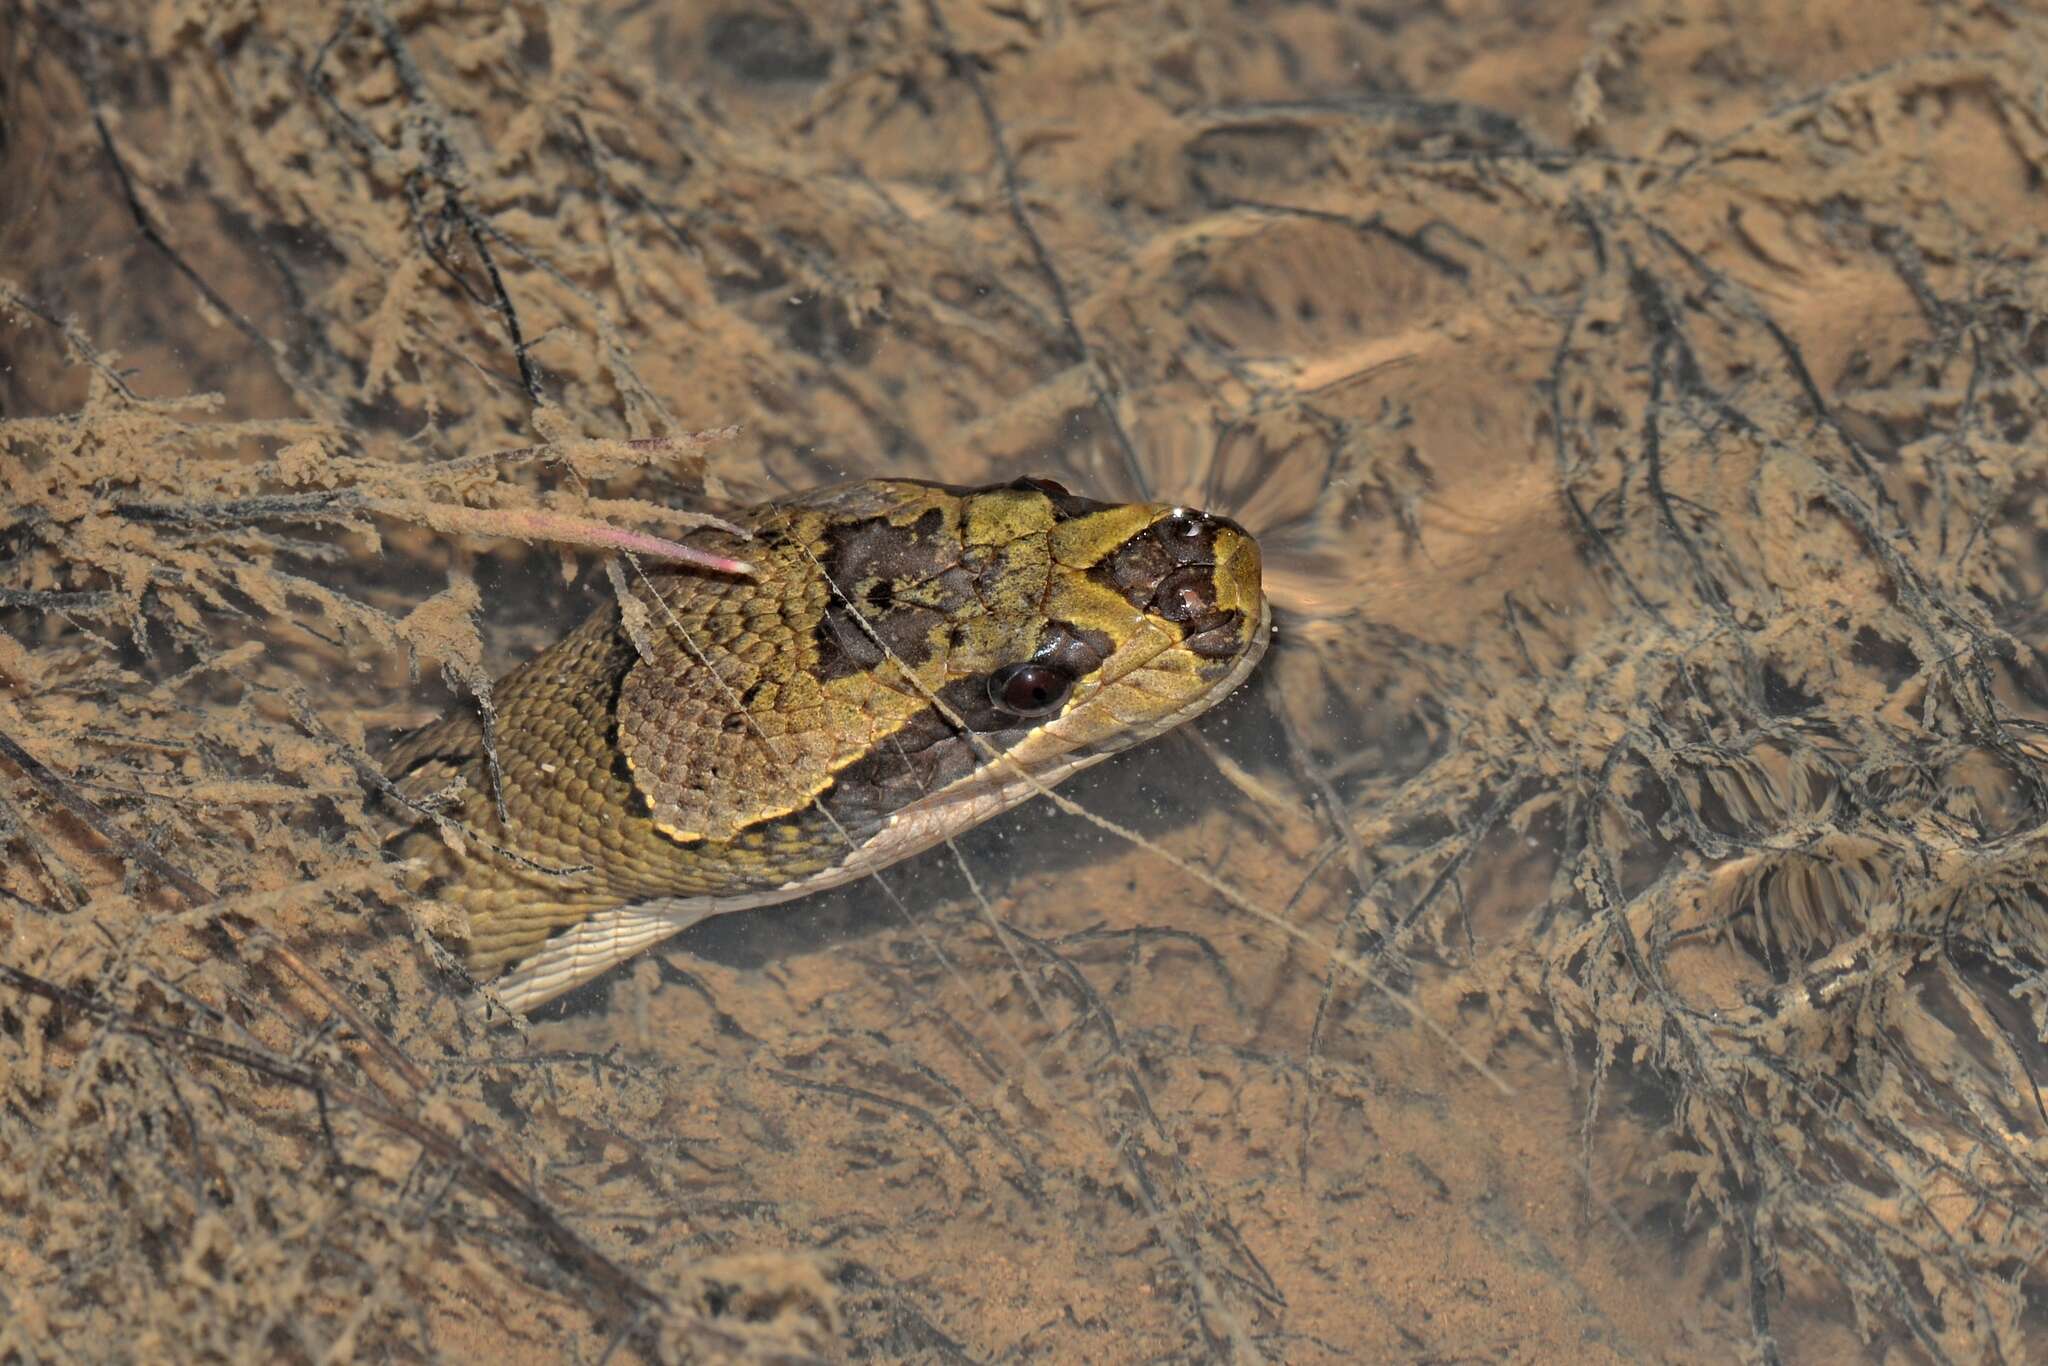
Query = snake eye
x=1031 y=689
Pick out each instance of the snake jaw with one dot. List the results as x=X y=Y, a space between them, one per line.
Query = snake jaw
x=803 y=728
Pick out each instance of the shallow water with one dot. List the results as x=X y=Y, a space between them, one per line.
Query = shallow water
x=1616 y=922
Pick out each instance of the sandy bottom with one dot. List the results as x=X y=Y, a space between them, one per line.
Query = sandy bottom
x=1612 y=925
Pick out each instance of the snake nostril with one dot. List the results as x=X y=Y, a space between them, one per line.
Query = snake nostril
x=1188 y=537
x=1185 y=595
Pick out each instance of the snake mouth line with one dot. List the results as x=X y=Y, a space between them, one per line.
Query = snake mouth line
x=1240 y=669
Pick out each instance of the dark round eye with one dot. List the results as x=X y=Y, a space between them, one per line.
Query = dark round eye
x=1031 y=689
x=1182 y=524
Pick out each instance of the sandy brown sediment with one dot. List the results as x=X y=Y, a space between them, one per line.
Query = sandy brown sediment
x=1636 y=406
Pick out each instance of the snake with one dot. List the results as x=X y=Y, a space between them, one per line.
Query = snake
x=906 y=660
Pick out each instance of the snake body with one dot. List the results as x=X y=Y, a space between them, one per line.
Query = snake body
x=907 y=660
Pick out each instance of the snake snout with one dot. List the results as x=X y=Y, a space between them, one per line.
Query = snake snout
x=1214 y=593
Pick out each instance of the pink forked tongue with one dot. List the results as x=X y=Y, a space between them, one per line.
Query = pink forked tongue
x=534 y=525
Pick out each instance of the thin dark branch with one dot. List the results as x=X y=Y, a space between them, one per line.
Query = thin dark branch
x=155 y=237
x=130 y=848
x=965 y=67
x=445 y=165
x=97 y=600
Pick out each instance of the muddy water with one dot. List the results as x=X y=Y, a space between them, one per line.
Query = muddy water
x=1610 y=925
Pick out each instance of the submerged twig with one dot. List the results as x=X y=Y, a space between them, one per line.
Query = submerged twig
x=525 y=524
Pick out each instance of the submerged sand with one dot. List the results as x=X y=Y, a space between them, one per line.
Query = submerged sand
x=1611 y=925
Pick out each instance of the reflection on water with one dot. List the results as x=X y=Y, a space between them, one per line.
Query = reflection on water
x=1618 y=890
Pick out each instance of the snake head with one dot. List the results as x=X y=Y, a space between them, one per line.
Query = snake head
x=927 y=647
x=1151 y=613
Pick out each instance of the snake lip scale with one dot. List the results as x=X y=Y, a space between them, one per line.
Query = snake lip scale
x=908 y=660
